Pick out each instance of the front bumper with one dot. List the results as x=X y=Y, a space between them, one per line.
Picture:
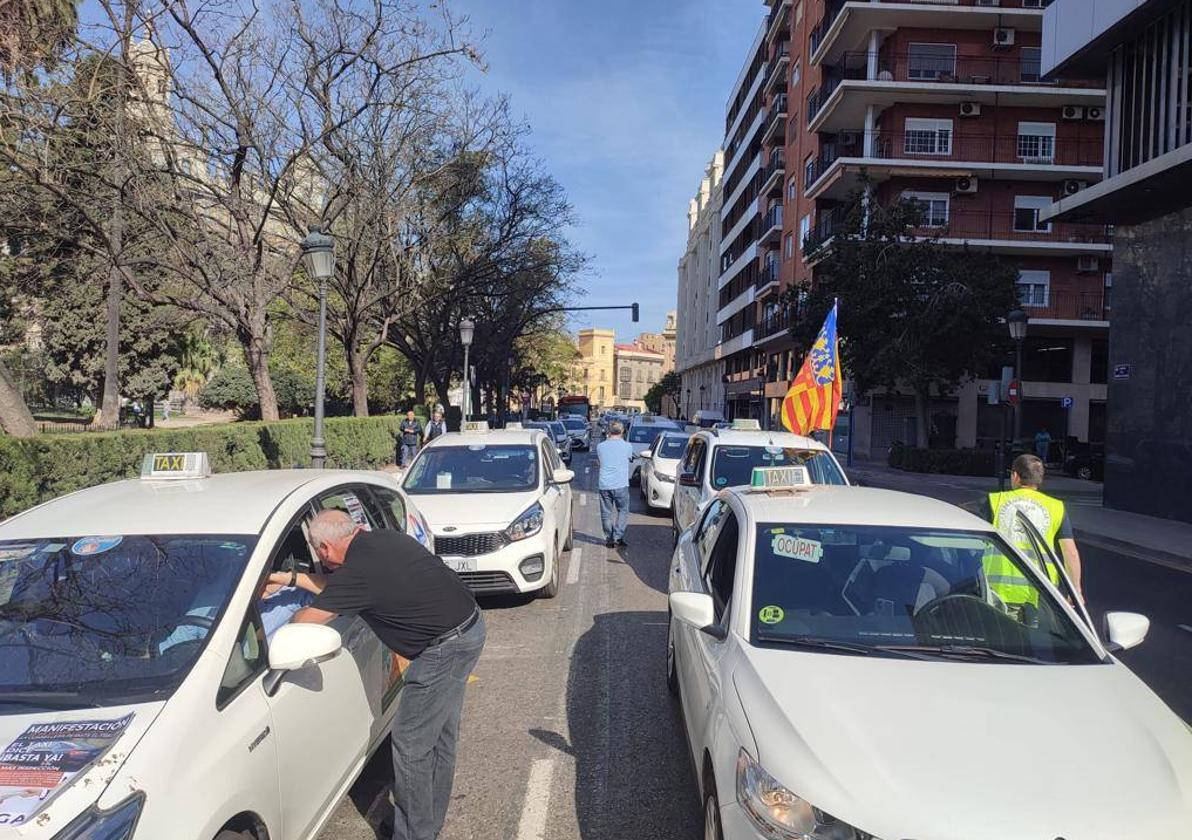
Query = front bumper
x=736 y=826
x=500 y=571
x=660 y=494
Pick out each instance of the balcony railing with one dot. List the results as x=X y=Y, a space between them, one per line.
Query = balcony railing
x=774 y=323
x=776 y=165
x=826 y=225
x=947 y=145
x=832 y=10
x=1006 y=224
x=773 y=218
x=1022 y=69
x=768 y=275
x=1067 y=306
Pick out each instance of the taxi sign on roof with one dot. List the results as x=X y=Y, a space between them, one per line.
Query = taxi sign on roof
x=779 y=478
x=475 y=426
x=744 y=424
x=175 y=465
x=514 y=426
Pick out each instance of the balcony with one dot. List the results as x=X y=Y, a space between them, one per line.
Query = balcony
x=772 y=226
x=778 y=19
x=846 y=26
x=774 y=325
x=767 y=277
x=776 y=121
x=773 y=173
x=1087 y=307
x=781 y=64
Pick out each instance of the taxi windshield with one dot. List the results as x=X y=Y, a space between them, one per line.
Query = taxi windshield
x=641 y=433
x=732 y=466
x=92 y=621
x=575 y=423
x=905 y=591
x=476 y=468
x=672 y=447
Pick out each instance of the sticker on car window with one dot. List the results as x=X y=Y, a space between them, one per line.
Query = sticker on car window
x=796 y=548
x=771 y=614
x=88 y=546
x=721 y=481
x=443 y=481
x=356 y=510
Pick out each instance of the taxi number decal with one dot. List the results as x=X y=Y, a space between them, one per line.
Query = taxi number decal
x=771 y=615
x=797 y=548
x=173 y=462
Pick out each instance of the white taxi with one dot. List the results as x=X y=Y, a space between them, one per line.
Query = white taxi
x=148 y=690
x=847 y=671
x=660 y=468
x=720 y=458
x=499 y=506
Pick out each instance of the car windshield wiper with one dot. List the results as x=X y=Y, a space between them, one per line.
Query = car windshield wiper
x=971 y=651
x=50 y=700
x=833 y=646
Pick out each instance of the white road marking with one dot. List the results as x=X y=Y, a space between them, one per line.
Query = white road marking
x=583 y=499
x=573 y=566
x=1185 y=628
x=537 y=804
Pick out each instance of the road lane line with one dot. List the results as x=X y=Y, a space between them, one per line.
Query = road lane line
x=535 y=809
x=573 y=566
x=583 y=499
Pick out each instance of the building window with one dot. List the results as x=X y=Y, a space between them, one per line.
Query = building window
x=1036 y=142
x=1108 y=294
x=808 y=171
x=931 y=62
x=788 y=246
x=1029 y=64
x=792 y=188
x=927 y=137
x=796 y=73
x=1034 y=287
x=804 y=230
x=1026 y=213
x=934 y=207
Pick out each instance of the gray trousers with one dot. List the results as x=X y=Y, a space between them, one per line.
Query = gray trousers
x=425 y=731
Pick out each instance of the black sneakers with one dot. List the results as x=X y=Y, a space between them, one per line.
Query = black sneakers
x=621 y=543
x=610 y=543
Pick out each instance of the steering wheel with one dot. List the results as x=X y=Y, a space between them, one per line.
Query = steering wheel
x=936 y=604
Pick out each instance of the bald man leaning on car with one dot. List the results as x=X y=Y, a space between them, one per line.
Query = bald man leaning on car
x=422 y=611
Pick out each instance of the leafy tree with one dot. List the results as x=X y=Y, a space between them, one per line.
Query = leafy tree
x=914 y=313
x=670 y=386
x=33 y=32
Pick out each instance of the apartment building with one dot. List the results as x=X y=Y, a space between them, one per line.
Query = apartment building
x=943 y=102
x=1142 y=49
x=596 y=365
x=637 y=370
x=697 y=331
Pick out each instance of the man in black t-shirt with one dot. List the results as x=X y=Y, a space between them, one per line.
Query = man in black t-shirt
x=419 y=609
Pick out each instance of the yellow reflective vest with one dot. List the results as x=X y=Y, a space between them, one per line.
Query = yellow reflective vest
x=1046 y=514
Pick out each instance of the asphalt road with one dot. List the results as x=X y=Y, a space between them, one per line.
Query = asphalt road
x=568 y=730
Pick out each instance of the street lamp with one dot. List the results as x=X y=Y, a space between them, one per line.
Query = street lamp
x=688 y=411
x=1017 y=322
x=318 y=257
x=701 y=397
x=467 y=327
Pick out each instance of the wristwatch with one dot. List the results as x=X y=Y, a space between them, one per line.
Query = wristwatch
x=293 y=577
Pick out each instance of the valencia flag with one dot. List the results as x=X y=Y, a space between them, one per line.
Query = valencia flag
x=814 y=396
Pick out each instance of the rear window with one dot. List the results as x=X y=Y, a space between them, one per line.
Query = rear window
x=672 y=447
x=732 y=466
x=574 y=423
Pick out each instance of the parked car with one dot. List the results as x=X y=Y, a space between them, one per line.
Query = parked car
x=1086 y=461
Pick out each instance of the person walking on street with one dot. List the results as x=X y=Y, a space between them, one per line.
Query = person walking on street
x=1043 y=445
x=613 y=457
x=436 y=427
x=421 y=611
x=1050 y=518
x=410 y=432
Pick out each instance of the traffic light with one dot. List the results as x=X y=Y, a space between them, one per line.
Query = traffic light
x=634 y=313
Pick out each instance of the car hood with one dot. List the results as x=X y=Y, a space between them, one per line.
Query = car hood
x=666 y=466
x=83 y=782
x=453 y=514
x=983 y=751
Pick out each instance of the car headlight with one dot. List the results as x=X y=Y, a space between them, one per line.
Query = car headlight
x=780 y=814
x=115 y=824
x=661 y=476
x=528 y=524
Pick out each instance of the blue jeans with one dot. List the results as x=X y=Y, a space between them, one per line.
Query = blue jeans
x=425 y=731
x=619 y=500
x=408 y=451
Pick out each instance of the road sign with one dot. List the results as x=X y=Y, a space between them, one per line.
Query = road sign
x=1067 y=401
x=1121 y=371
x=1013 y=393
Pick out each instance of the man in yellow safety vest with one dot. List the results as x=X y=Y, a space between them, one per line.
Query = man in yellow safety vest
x=1049 y=517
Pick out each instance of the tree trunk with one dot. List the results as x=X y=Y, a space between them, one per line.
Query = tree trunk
x=921 y=423
x=358 y=372
x=109 y=409
x=15 y=417
x=257 y=354
x=443 y=389
x=419 y=385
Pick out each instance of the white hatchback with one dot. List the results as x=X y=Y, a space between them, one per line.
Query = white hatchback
x=660 y=469
x=847 y=671
x=149 y=691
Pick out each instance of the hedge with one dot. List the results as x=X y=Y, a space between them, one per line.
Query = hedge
x=947 y=461
x=36 y=469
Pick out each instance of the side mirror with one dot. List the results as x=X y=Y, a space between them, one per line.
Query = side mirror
x=1124 y=630
x=693 y=609
x=646 y=456
x=689 y=479
x=296 y=646
x=562 y=476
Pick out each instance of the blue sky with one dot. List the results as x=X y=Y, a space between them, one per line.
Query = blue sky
x=625 y=100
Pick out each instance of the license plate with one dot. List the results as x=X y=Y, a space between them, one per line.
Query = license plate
x=461 y=564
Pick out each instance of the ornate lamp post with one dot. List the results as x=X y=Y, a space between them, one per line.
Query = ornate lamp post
x=1017 y=322
x=467 y=328
x=318 y=257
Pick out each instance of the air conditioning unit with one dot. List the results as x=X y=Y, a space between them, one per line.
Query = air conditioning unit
x=1095 y=113
x=1072 y=186
x=1003 y=36
x=1087 y=265
x=970 y=109
x=966 y=185
x=1073 y=112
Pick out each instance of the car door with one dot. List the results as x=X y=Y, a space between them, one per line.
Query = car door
x=322 y=717
x=556 y=497
x=694 y=555
x=647 y=467
x=687 y=498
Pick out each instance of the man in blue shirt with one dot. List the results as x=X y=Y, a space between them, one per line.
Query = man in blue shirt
x=614 y=455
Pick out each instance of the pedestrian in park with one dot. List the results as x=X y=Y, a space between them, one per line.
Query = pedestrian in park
x=1050 y=518
x=410 y=433
x=436 y=427
x=422 y=612
x=613 y=456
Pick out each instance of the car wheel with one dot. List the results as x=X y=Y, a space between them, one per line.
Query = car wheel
x=567 y=546
x=672 y=671
x=712 y=814
x=228 y=834
x=552 y=587
x=1085 y=472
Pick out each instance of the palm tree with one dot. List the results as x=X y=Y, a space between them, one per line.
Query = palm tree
x=200 y=361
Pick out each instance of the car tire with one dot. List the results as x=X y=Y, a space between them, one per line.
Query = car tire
x=552 y=587
x=228 y=834
x=712 y=829
x=1085 y=472
x=570 y=543
x=672 y=670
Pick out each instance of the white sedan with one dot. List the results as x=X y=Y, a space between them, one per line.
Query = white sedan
x=848 y=671
x=660 y=468
x=499 y=505
x=149 y=691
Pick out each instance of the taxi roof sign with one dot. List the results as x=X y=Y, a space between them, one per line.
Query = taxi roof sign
x=513 y=426
x=175 y=465
x=780 y=478
x=746 y=424
x=474 y=426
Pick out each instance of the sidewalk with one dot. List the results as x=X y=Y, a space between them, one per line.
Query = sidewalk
x=1164 y=540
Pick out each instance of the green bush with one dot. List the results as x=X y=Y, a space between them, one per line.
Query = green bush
x=37 y=469
x=945 y=461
